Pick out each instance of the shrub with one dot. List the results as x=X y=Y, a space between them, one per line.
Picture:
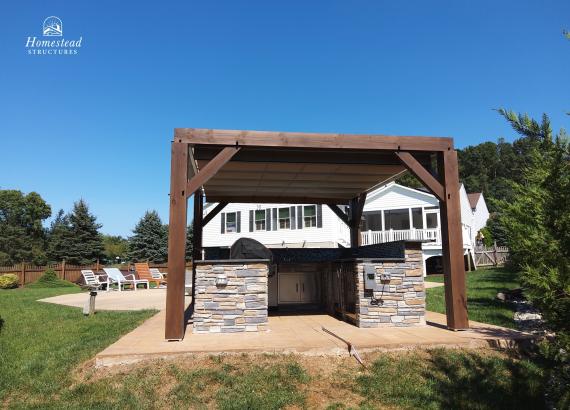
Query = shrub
x=50 y=280
x=9 y=281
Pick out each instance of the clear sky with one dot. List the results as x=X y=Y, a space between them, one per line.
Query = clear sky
x=98 y=125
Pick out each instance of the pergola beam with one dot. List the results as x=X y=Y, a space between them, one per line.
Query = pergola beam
x=422 y=174
x=277 y=199
x=311 y=140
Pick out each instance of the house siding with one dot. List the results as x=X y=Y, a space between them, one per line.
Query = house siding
x=331 y=233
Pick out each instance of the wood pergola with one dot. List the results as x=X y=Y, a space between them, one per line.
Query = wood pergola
x=285 y=167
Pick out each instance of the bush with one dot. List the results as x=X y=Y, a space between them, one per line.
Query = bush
x=50 y=280
x=9 y=281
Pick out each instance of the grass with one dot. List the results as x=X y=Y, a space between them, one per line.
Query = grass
x=435 y=379
x=45 y=351
x=41 y=343
x=482 y=289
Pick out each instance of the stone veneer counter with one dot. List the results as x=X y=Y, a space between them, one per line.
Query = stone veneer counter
x=231 y=296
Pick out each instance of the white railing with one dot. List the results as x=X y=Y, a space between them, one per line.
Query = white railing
x=392 y=235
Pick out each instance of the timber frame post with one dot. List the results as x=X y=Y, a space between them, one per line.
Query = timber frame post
x=447 y=191
x=356 y=208
x=197 y=233
x=174 y=328
x=452 y=243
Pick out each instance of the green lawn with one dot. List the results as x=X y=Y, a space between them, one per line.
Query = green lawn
x=482 y=288
x=45 y=351
x=41 y=343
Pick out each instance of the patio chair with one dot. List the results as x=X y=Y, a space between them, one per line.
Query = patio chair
x=114 y=275
x=144 y=273
x=188 y=282
x=157 y=274
x=93 y=280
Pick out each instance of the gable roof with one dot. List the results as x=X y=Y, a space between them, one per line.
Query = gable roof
x=473 y=199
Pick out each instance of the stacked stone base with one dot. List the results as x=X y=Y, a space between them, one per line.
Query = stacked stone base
x=231 y=296
x=399 y=301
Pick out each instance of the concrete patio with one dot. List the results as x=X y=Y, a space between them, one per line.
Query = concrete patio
x=115 y=300
x=302 y=334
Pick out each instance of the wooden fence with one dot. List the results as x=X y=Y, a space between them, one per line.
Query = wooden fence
x=28 y=273
x=491 y=255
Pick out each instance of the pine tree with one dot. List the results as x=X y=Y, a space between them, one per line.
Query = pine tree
x=86 y=243
x=59 y=238
x=150 y=240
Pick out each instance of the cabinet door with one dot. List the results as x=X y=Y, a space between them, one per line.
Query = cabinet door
x=289 y=288
x=309 y=288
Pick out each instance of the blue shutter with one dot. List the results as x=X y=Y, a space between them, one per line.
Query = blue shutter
x=299 y=217
x=251 y=220
x=238 y=222
x=223 y=219
x=319 y=216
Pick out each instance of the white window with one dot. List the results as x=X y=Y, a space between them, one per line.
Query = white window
x=260 y=220
x=284 y=218
x=310 y=216
x=231 y=222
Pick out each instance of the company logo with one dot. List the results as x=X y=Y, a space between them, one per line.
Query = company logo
x=53 y=27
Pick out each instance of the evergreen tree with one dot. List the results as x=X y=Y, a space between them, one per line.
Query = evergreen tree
x=85 y=243
x=59 y=238
x=537 y=222
x=150 y=240
x=22 y=235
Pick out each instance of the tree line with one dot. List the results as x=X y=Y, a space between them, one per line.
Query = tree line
x=75 y=236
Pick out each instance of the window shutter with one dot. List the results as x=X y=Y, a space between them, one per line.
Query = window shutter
x=238 y=221
x=274 y=219
x=300 y=217
x=319 y=216
x=268 y=219
x=223 y=219
x=293 y=219
x=251 y=220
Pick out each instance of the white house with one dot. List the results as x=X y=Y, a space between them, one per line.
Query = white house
x=391 y=213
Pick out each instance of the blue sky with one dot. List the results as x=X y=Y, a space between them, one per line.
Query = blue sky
x=98 y=125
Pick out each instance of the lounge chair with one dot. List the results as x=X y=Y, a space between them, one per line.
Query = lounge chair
x=93 y=280
x=114 y=275
x=157 y=274
x=144 y=273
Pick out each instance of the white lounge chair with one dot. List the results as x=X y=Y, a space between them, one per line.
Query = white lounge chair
x=94 y=280
x=156 y=274
x=114 y=275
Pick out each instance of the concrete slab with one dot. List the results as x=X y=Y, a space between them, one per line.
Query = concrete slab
x=429 y=285
x=115 y=300
x=302 y=334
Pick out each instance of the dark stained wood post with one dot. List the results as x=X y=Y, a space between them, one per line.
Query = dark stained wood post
x=174 y=329
x=197 y=235
x=356 y=208
x=452 y=243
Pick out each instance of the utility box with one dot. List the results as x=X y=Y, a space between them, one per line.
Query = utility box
x=370 y=277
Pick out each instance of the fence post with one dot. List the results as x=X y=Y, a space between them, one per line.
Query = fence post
x=495 y=253
x=63 y=269
x=97 y=266
x=23 y=273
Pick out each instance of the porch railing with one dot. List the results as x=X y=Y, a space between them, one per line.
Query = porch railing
x=392 y=235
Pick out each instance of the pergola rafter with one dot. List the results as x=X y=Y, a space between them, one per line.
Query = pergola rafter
x=283 y=167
